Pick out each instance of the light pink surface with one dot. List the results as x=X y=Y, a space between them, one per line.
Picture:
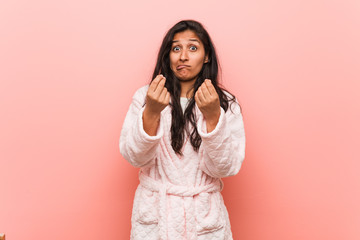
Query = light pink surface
x=68 y=70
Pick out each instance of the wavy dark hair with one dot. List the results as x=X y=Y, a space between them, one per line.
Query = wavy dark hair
x=180 y=121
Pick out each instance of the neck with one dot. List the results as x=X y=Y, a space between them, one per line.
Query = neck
x=187 y=88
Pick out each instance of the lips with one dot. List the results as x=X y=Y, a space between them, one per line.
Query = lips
x=181 y=67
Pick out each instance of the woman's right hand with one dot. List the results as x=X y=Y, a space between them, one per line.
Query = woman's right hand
x=157 y=97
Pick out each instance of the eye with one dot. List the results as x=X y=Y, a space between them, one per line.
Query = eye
x=176 y=48
x=193 y=48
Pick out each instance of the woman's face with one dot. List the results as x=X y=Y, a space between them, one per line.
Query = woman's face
x=187 y=56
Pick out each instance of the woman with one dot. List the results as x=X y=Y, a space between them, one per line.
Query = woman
x=185 y=133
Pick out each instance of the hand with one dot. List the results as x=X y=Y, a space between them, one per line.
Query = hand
x=157 y=97
x=208 y=102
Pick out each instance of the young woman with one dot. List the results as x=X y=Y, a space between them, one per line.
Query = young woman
x=185 y=133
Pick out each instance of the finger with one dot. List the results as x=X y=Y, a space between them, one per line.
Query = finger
x=197 y=100
x=167 y=98
x=160 y=87
x=155 y=82
x=205 y=91
x=163 y=94
x=200 y=95
x=210 y=87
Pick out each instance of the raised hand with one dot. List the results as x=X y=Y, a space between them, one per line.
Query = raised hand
x=208 y=102
x=157 y=98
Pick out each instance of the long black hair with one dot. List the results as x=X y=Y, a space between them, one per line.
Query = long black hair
x=180 y=120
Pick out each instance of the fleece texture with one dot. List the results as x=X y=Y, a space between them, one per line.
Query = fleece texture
x=179 y=197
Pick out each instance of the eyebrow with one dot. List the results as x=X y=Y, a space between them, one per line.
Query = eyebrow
x=191 y=39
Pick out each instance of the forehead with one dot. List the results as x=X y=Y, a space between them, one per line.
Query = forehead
x=186 y=36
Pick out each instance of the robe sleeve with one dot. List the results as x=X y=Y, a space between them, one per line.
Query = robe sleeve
x=223 y=150
x=136 y=146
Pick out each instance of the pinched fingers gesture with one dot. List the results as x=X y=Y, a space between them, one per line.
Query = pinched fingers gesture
x=208 y=101
x=157 y=97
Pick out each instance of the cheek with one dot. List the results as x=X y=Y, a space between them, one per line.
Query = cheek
x=199 y=62
x=172 y=60
x=172 y=57
x=199 y=59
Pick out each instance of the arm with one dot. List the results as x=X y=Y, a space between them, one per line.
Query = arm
x=157 y=98
x=136 y=146
x=142 y=129
x=223 y=150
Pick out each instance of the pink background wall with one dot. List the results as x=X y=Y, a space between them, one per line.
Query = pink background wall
x=68 y=70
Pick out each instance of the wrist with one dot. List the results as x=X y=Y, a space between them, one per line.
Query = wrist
x=151 y=115
x=212 y=121
x=213 y=117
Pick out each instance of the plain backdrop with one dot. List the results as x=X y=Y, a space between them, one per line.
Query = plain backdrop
x=68 y=70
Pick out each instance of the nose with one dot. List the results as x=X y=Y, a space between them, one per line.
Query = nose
x=184 y=56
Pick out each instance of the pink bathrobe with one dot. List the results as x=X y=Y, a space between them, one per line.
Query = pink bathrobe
x=179 y=196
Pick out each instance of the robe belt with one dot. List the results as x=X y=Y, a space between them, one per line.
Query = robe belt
x=165 y=189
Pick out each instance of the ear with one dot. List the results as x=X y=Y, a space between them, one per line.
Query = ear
x=206 y=60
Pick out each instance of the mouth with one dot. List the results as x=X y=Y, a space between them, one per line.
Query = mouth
x=181 y=67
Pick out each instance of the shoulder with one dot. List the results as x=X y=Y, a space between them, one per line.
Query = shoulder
x=140 y=94
x=234 y=105
x=227 y=94
x=141 y=91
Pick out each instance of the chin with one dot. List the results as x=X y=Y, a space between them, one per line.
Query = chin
x=185 y=79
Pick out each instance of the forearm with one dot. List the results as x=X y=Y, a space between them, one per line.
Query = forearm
x=151 y=122
x=137 y=146
x=212 y=121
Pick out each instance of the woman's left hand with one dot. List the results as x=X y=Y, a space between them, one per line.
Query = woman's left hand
x=208 y=102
